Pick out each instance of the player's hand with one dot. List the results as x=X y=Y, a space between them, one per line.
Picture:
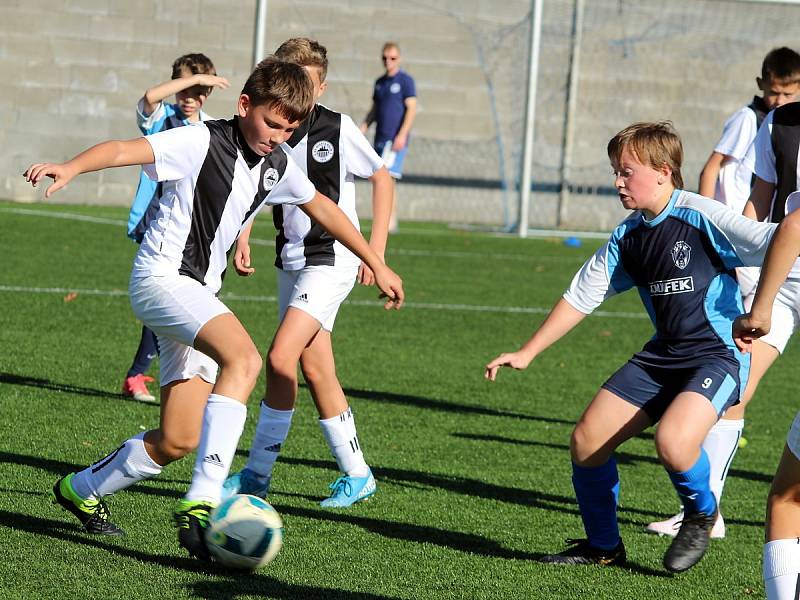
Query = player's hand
x=365 y=275
x=241 y=260
x=747 y=328
x=399 y=143
x=212 y=81
x=391 y=287
x=515 y=360
x=59 y=173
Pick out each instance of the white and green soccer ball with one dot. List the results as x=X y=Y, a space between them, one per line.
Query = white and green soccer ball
x=244 y=532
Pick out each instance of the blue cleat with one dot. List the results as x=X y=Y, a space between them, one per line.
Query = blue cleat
x=347 y=490
x=245 y=482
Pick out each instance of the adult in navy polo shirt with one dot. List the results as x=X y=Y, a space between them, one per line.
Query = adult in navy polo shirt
x=394 y=106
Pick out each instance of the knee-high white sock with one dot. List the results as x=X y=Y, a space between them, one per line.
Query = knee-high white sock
x=782 y=569
x=340 y=433
x=721 y=444
x=271 y=431
x=127 y=465
x=223 y=422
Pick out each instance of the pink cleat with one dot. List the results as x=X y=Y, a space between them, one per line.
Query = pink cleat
x=136 y=387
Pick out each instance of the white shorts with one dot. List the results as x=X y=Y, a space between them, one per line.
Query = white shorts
x=317 y=291
x=176 y=307
x=785 y=311
x=793 y=439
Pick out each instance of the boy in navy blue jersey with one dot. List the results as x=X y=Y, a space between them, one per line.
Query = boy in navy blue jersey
x=680 y=251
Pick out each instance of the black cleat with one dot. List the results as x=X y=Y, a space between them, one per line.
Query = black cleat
x=581 y=553
x=691 y=542
x=93 y=514
x=191 y=519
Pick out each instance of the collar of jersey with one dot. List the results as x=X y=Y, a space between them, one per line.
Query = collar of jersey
x=250 y=157
x=664 y=213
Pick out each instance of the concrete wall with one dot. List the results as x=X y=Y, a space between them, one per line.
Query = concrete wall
x=74 y=69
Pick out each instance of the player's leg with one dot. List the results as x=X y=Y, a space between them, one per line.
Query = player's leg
x=143 y=456
x=608 y=421
x=708 y=391
x=136 y=380
x=337 y=423
x=782 y=547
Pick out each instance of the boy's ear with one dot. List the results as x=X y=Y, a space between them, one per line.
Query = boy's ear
x=322 y=87
x=760 y=83
x=243 y=105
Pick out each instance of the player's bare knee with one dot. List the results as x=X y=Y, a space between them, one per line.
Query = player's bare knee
x=281 y=364
x=582 y=446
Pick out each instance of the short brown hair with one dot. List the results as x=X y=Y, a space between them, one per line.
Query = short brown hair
x=306 y=53
x=388 y=45
x=654 y=144
x=283 y=85
x=195 y=63
x=781 y=65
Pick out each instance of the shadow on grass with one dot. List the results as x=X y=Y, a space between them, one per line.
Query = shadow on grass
x=234 y=585
x=409 y=532
x=454 y=407
x=46 y=384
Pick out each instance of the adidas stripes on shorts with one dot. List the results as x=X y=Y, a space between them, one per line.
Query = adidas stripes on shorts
x=317 y=291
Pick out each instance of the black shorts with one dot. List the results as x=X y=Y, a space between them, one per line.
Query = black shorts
x=652 y=388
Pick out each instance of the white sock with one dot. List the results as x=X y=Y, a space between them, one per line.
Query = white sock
x=223 y=422
x=127 y=465
x=271 y=431
x=782 y=569
x=721 y=444
x=340 y=433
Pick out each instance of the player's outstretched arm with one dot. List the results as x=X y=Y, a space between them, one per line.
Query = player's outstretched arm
x=157 y=93
x=325 y=212
x=558 y=323
x=114 y=153
x=382 y=198
x=782 y=252
x=241 y=256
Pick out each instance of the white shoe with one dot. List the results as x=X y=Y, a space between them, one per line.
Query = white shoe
x=671 y=526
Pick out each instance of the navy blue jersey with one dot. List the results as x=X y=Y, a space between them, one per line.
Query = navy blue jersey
x=682 y=263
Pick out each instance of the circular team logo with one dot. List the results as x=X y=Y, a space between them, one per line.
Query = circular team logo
x=395 y=88
x=270 y=178
x=322 y=151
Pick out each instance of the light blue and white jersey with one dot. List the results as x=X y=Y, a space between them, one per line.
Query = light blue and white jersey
x=145 y=206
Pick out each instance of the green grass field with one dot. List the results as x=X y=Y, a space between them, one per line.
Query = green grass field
x=474 y=478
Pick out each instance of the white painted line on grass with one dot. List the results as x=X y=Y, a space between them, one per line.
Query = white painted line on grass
x=372 y=303
x=63 y=215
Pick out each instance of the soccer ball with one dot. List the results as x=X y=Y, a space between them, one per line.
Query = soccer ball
x=244 y=532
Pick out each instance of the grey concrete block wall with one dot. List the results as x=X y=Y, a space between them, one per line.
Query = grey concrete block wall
x=73 y=70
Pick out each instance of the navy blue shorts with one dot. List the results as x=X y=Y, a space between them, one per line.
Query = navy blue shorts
x=653 y=388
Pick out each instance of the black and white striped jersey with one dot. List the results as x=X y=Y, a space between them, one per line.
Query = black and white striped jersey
x=332 y=151
x=777 y=146
x=213 y=185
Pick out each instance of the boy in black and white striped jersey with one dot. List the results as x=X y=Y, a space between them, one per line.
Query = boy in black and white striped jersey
x=216 y=176
x=315 y=275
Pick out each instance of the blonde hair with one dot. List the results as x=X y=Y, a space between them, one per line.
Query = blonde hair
x=306 y=53
x=654 y=144
x=388 y=45
x=283 y=85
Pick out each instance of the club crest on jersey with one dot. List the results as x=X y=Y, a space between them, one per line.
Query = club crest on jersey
x=681 y=254
x=394 y=88
x=270 y=178
x=322 y=151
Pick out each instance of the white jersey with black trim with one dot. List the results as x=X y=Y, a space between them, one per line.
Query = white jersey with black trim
x=332 y=151
x=734 y=179
x=213 y=185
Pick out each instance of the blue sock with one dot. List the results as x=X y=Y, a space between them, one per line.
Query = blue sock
x=147 y=351
x=693 y=487
x=597 y=491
